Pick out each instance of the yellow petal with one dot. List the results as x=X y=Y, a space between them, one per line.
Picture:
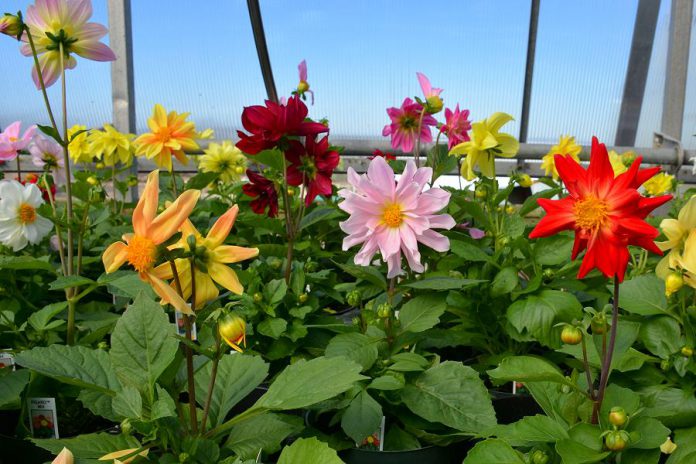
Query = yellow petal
x=169 y=221
x=233 y=254
x=487 y=164
x=145 y=210
x=114 y=256
x=226 y=277
x=509 y=146
x=674 y=232
x=488 y=142
x=163 y=271
x=221 y=229
x=688 y=258
x=187 y=228
x=169 y=295
x=687 y=215
x=498 y=120
x=206 y=291
x=119 y=454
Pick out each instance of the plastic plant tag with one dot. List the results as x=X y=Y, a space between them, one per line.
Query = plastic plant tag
x=43 y=417
x=181 y=326
x=376 y=440
x=7 y=360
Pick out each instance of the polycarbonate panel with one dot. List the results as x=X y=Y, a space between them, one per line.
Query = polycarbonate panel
x=88 y=85
x=581 y=60
x=689 y=130
x=196 y=57
x=363 y=56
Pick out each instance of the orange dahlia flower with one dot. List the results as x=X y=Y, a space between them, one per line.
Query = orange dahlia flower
x=150 y=231
x=606 y=213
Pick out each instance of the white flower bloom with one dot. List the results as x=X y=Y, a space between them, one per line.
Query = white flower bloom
x=19 y=222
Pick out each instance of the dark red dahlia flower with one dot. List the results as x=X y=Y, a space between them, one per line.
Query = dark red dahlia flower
x=264 y=191
x=312 y=165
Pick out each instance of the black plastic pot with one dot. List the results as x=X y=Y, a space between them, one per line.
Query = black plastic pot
x=427 y=455
x=519 y=194
x=510 y=408
x=16 y=450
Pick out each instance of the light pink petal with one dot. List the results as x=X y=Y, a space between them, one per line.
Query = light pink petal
x=417 y=223
x=388 y=239
x=433 y=200
x=476 y=234
x=406 y=177
x=93 y=50
x=351 y=240
x=441 y=221
x=366 y=253
x=434 y=240
x=425 y=85
x=413 y=257
x=302 y=68
x=381 y=176
x=12 y=130
x=423 y=175
x=394 y=266
x=81 y=11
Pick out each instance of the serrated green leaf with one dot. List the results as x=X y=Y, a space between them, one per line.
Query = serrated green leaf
x=12 y=385
x=442 y=283
x=528 y=369
x=40 y=319
x=70 y=281
x=90 y=447
x=306 y=450
x=321 y=213
x=362 y=417
x=643 y=295
x=504 y=282
x=366 y=273
x=128 y=403
x=493 y=452
x=422 y=313
x=354 y=346
x=272 y=327
x=265 y=432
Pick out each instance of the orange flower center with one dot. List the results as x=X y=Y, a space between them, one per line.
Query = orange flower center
x=26 y=213
x=142 y=253
x=392 y=215
x=164 y=134
x=591 y=213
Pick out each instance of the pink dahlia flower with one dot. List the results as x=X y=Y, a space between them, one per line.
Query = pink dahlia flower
x=52 y=22
x=303 y=86
x=11 y=141
x=393 y=217
x=404 y=125
x=433 y=101
x=47 y=154
x=456 y=127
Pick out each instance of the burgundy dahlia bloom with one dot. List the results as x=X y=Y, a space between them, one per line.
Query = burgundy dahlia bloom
x=312 y=165
x=264 y=191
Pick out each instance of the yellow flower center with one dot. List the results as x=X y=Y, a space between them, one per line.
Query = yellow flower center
x=164 y=134
x=392 y=215
x=142 y=253
x=303 y=86
x=13 y=139
x=591 y=213
x=26 y=213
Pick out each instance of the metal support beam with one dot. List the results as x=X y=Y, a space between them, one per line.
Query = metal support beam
x=262 y=49
x=637 y=71
x=529 y=69
x=122 y=82
x=677 y=67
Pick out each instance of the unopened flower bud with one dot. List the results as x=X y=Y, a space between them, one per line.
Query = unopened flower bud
x=434 y=104
x=258 y=298
x=126 y=427
x=354 y=298
x=673 y=283
x=571 y=335
x=525 y=181
x=92 y=180
x=384 y=310
x=239 y=170
x=509 y=209
x=99 y=165
x=302 y=87
x=232 y=329
x=617 y=440
x=291 y=191
x=687 y=351
x=10 y=25
x=599 y=324
x=540 y=457
x=132 y=181
x=183 y=457
x=617 y=416
x=103 y=345
x=480 y=192
x=303 y=298
x=668 y=447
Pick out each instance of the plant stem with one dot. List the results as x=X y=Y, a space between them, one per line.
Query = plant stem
x=61 y=252
x=42 y=84
x=590 y=384
x=189 y=355
x=174 y=189
x=113 y=185
x=606 y=362
x=68 y=178
x=71 y=321
x=19 y=169
x=211 y=385
x=416 y=150
x=289 y=227
x=81 y=237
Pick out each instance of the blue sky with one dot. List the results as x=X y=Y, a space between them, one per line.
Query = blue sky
x=363 y=56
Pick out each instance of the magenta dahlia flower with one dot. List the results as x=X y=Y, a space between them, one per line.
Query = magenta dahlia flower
x=404 y=125
x=393 y=217
x=456 y=126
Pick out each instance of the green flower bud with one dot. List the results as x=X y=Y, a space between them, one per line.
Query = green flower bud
x=617 y=440
x=617 y=416
x=354 y=298
x=303 y=298
x=687 y=351
x=126 y=427
x=599 y=324
x=103 y=345
x=10 y=25
x=384 y=310
x=525 y=181
x=571 y=335
x=540 y=457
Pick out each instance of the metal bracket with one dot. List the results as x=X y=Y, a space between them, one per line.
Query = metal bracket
x=661 y=140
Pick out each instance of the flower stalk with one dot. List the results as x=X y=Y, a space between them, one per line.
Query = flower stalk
x=607 y=359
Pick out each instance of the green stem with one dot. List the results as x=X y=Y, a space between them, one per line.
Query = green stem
x=248 y=414
x=189 y=355
x=68 y=178
x=61 y=248
x=19 y=169
x=81 y=237
x=211 y=385
x=416 y=150
x=71 y=322
x=289 y=228
x=42 y=83
x=586 y=363
x=606 y=362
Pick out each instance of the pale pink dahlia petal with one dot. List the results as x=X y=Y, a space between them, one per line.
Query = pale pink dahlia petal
x=423 y=176
x=302 y=68
x=441 y=221
x=418 y=224
x=93 y=50
x=81 y=11
x=434 y=240
x=413 y=257
x=424 y=84
x=394 y=266
x=433 y=200
x=381 y=176
x=388 y=240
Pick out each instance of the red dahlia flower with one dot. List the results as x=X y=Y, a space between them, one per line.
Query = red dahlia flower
x=386 y=155
x=312 y=165
x=32 y=178
x=606 y=213
x=264 y=191
x=271 y=123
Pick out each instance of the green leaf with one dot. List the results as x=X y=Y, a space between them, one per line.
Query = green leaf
x=164 y=406
x=530 y=430
x=142 y=344
x=527 y=369
x=639 y=456
x=647 y=433
x=306 y=450
x=493 y=452
x=552 y=251
x=441 y=162
x=99 y=403
x=366 y=273
x=534 y=318
x=504 y=282
x=354 y=346
x=616 y=395
x=71 y=281
x=51 y=132
x=308 y=382
x=362 y=418
x=272 y=158
x=643 y=295
x=686 y=446
x=41 y=318
x=573 y=452
x=386 y=382
x=265 y=432
x=201 y=180
x=238 y=375
x=661 y=335
x=469 y=251
x=75 y=365
x=128 y=403
x=474 y=209
x=130 y=285
x=90 y=447
x=408 y=362
x=452 y=394
x=321 y=213
x=422 y=313
x=272 y=327
x=25 y=263
x=442 y=283
x=530 y=204
x=12 y=385
x=514 y=226
x=275 y=291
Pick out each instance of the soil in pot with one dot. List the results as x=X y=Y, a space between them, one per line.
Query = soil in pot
x=452 y=454
x=510 y=407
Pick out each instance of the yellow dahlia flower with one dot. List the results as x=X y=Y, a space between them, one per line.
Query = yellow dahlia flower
x=111 y=146
x=566 y=146
x=79 y=148
x=224 y=159
x=661 y=183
